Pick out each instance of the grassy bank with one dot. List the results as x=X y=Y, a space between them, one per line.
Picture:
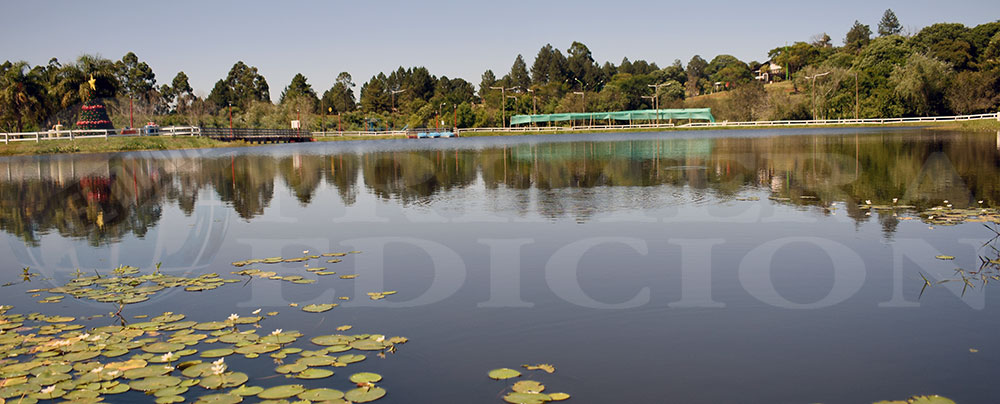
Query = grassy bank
x=111 y=145
x=178 y=143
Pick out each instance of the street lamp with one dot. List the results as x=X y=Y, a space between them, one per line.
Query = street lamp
x=812 y=88
x=656 y=101
x=437 y=121
x=503 y=103
x=393 y=93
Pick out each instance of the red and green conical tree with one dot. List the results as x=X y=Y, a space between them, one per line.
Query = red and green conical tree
x=93 y=114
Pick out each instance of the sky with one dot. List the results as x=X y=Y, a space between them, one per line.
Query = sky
x=451 y=38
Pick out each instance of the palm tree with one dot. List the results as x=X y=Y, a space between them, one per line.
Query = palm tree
x=22 y=96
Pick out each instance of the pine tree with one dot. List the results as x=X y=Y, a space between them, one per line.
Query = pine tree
x=889 y=24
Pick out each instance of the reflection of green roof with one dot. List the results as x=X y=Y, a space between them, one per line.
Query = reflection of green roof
x=640 y=115
x=629 y=150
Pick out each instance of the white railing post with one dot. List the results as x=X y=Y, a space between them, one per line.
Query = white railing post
x=36 y=137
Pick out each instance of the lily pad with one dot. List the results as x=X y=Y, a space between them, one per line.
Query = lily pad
x=163 y=347
x=319 y=308
x=220 y=399
x=366 y=377
x=348 y=359
x=526 y=398
x=367 y=345
x=281 y=392
x=503 y=374
x=559 y=396
x=154 y=383
x=314 y=373
x=944 y=257
x=321 y=395
x=217 y=353
x=365 y=394
x=528 y=386
x=247 y=391
x=225 y=380
x=291 y=368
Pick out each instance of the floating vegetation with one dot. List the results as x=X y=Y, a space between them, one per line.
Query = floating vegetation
x=380 y=295
x=544 y=366
x=169 y=357
x=944 y=257
x=527 y=391
x=503 y=374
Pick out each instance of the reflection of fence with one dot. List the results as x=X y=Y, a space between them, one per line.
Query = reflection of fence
x=73 y=134
x=250 y=135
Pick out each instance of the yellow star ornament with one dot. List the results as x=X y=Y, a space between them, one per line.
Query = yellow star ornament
x=93 y=82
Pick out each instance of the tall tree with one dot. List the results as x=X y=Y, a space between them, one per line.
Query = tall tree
x=136 y=78
x=858 y=36
x=340 y=97
x=374 y=96
x=582 y=68
x=299 y=89
x=922 y=82
x=549 y=66
x=22 y=96
x=889 y=24
x=487 y=80
x=242 y=86
x=947 y=42
x=695 y=73
x=519 y=74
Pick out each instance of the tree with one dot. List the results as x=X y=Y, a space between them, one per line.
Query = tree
x=582 y=68
x=374 y=97
x=549 y=66
x=727 y=69
x=487 y=80
x=675 y=72
x=180 y=84
x=136 y=78
x=242 y=86
x=858 y=36
x=340 y=97
x=22 y=96
x=922 y=82
x=695 y=72
x=519 y=74
x=749 y=101
x=947 y=42
x=974 y=92
x=299 y=89
x=822 y=41
x=889 y=24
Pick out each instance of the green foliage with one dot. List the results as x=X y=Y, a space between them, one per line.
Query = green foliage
x=518 y=76
x=301 y=92
x=242 y=86
x=922 y=82
x=947 y=42
x=136 y=77
x=550 y=66
x=858 y=36
x=889 y=25
x=22 y=96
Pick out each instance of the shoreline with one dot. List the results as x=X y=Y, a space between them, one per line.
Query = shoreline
x=155 y=143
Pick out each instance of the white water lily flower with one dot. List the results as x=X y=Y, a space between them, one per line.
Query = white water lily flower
x=980 y=202
x=234 y=317
x=98 y=369
x=167 y=357
x=868 y=201
x=949 y=205
x=945 y=201
x=894 y=200
x=380 y=338
x=113 y=373
x=219 y=366
x=49 y=389
x=84 y=336
x=169 y=368
x=306 y=252
x=256 y=311
x=276 y=332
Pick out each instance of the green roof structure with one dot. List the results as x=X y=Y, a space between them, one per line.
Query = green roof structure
x=703 y=114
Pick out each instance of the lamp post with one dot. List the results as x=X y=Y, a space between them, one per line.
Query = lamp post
x=437 y=121
x=812 y=88
x=503 y=103
x=393 y=93
x=856 y=103
x=656 y=101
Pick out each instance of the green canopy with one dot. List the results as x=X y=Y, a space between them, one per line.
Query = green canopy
x=704 y=114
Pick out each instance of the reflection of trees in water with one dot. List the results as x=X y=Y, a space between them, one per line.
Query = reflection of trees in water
x=103 y=200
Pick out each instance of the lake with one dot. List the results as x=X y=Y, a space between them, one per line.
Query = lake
x=777 y=266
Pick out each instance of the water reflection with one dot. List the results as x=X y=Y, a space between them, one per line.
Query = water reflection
x=103 y=199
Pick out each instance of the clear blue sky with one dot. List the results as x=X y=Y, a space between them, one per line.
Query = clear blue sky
x=451 y=38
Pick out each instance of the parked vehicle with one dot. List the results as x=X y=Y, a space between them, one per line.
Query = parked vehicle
x=151 y=129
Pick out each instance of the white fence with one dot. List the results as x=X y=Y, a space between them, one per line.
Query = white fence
x=820 y=122
x=73 y=134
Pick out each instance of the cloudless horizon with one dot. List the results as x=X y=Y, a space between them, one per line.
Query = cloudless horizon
x=456 y=39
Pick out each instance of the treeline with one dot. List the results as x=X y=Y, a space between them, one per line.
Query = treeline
x=942 y=69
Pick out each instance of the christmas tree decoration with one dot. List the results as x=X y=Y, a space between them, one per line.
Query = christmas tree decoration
x=93 y=114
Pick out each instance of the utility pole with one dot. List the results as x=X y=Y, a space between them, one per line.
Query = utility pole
x=656 y=102
x=813 y=89
x=503 y=103
x=393 y=93
x=856 y=103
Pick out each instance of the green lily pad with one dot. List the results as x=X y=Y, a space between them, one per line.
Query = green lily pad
x=367 y=345
x=503 y=374
x=247 y=391
x=171 y=391
x=220 y=399
x=163 y=347
x=559 y=396
x=217 y=353
x=350 y=358
x=935 y=399
x=321 y=395
x=281 y=392
x=225 y=380
x=145 y=372
x=291 y=368
x=528 y=386
x=327 y=340
x=169 y=399
x=365 y=394
x=154 y=383
x=365 y=377
x=526 y=398
x=321 y=360
x=944 y=257
x=314 y=373
x=319 y=308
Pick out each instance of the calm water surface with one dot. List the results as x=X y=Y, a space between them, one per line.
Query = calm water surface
x=695 y=267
